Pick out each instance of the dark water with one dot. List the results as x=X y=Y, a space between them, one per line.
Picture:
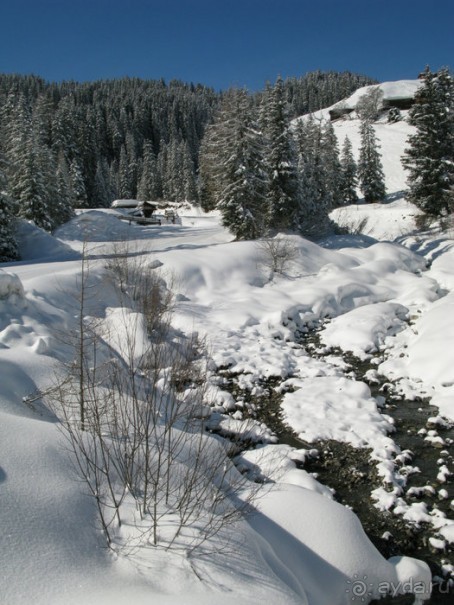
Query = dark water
x=352 y=473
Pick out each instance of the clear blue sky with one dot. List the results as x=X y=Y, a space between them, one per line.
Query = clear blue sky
x=224 y=42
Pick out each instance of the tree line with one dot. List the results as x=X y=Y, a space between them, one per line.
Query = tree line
x=266 y=175
x=74 y=145
x=71 y=145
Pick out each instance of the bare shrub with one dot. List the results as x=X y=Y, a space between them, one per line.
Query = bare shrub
x=277 y=253
x=350 y=225
x=370 y=104
x=144 y=440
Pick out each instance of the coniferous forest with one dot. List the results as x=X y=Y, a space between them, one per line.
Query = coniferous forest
x=79 y=145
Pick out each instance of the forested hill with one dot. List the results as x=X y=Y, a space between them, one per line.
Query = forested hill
x=69 y=144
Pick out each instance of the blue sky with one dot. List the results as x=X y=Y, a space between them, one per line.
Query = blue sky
x=224 y=43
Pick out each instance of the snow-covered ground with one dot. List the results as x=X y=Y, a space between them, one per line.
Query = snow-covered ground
x=300 y=546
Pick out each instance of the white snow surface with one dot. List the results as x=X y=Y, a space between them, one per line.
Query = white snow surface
x=398 y=90
x=300 y=546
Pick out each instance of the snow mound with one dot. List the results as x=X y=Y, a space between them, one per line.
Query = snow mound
x=95 y=226
x=309 y=534
x=35 y=243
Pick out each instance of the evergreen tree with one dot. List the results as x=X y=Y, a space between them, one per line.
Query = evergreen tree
x=429 y=158
x=242 y=200
x=349 y=179
x=77 y=186
x=314 y=203
x=211 y=152
x=63 y=191
x=32 y=189
x=149 y=187
x=283 y=192
x=370 y=170
x=101 y=190
x=8 y=244
x=332 y=171
x=190 y=192
x=125 y=176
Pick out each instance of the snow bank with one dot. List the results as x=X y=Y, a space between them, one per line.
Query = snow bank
x=95 y=226
x=421 y=355
x=35 y=243
x=364 y=330
x=309 y=535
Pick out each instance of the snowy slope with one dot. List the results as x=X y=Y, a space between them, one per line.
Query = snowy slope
x=392 y=139
x=391 y=91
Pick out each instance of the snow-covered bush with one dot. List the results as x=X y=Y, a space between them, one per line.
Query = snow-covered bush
x=11 y=288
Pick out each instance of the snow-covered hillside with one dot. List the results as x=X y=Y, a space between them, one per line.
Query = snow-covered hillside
x=299 y=546
x=392 y=139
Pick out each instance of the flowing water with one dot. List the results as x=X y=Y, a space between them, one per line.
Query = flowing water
x=352 y=473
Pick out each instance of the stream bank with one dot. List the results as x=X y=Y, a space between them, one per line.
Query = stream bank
x=426 y=443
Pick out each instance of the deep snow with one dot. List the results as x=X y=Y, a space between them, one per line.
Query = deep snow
x=300 y=546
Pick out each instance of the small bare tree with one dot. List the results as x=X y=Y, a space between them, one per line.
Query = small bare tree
x=277 y=253
x=370 y=104
x=144 y=438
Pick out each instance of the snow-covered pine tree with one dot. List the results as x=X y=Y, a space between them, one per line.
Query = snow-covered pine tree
x=63 y=191
x=78 y=191
x=149 y=187
x=210 y=160
x=125 y=176
x=283 y=185
x=314 y=203
x=331 y=166
x=370 y=104
x=349 y=170
x=8 y=244
x=102 y=195
x=429 y=158
x=370 y=170
x=188 y=174
x=242 y=201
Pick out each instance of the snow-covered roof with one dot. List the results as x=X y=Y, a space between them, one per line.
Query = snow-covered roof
x=399 y=90
x=392 y=91
x=124 y=203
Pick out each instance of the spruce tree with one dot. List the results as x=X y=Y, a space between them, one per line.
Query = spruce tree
x=242 y=201
x=370 y=170
x=8 y=244
x=332 y=172
x=63 y=191
x=349 y=171
x=283 y=186
x=149 y=187
x=210 y=160
x=314 y=199
x=429 y=158
x=77 y=184
x=190 y=192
